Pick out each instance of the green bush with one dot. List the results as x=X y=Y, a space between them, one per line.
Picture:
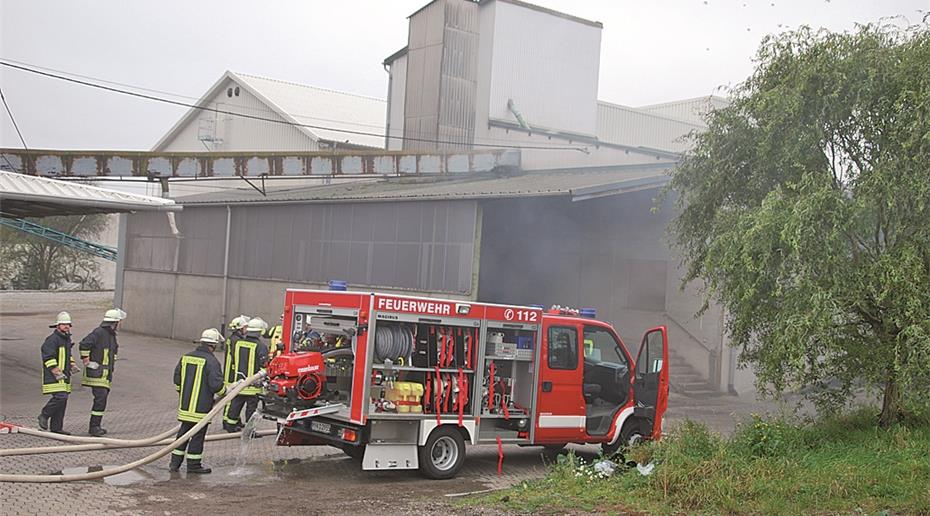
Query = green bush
x=771 y=465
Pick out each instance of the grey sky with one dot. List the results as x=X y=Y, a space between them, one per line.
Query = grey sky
x=652 y=51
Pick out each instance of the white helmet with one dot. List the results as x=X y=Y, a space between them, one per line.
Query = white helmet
x=239 y=322
x=63 y=318
x=257 y=324
x=114 y=315
x=211 y=336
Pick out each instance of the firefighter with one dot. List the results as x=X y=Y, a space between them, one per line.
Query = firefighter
x=273 y=334
x=197 y=378
x=98 y=352
x=57 y=368
x=249 y=356
x=237 y=331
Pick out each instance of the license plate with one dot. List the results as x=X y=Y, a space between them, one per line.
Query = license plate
x=322 y=428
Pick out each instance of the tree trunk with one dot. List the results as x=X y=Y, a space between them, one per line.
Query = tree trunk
x=891 y=403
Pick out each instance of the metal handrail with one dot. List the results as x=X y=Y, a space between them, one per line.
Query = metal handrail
x=31 y=228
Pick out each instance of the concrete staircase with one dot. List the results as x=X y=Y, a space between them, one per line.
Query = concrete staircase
x=687 y=381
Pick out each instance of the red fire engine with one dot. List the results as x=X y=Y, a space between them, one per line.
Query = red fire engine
x=405 y=382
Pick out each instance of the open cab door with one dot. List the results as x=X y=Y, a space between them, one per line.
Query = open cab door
x=650 y=381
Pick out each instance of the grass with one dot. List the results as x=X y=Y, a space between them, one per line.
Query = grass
x=769 y=466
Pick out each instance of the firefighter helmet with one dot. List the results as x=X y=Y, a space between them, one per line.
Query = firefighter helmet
x=257 y=324
x=239 y=322
x=63 y=318
x=211 y=336
x=114 y=315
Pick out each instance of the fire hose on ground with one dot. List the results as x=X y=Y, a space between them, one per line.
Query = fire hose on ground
x=121 y=443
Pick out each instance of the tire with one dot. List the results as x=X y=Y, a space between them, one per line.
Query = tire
x=630 y=434
x=443 y=454
x=356 y=453
x=554 y=449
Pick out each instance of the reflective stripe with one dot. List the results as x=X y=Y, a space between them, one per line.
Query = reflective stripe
x=177 y=452
x=189 y=412
x=226 y=417
x=194 y=456
x=51 y=363
x=96 y=413
x=106 y=361
x=59 y=386
x=95 y=382
x=85 y=353
x=177 y=388
x=189 y=416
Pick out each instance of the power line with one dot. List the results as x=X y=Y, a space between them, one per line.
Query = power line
x=272 y=120
x=261 y=109
x=14 y=122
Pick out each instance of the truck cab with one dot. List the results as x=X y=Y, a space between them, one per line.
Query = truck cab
x=402 y=382
x=591 y=390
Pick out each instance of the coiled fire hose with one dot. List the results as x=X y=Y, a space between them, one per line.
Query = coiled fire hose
x=217 y=407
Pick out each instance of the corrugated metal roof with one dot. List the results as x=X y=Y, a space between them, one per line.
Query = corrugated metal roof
x=580 y=184
x=30 y=196
x=323 y=107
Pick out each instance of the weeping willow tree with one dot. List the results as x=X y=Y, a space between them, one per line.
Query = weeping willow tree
x=805 y=209
x=33 y=263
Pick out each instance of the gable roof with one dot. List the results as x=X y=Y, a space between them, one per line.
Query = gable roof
x=328 y=111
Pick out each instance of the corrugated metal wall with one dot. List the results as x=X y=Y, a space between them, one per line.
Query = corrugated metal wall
x=233 y=133
x=420 y=246
x=629 y=126
x=547 y=64
x=398 y=89
x=441 y=75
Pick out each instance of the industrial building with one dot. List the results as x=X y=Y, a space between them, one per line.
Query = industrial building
x=251 y=113
x=571 y=221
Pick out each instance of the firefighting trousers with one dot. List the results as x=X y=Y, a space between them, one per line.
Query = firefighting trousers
x=193 y=447
x=234 y=409
x=99 y=406
x=54 y=410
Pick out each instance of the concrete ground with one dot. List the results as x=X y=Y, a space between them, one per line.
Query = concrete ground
x=257 y=477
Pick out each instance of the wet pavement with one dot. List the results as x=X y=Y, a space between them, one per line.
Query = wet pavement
x=261 y=479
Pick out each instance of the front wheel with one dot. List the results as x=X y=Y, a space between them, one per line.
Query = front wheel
x=630 y=435
x=443 y=454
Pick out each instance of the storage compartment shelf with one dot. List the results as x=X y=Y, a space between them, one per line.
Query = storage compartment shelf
x=382 y=367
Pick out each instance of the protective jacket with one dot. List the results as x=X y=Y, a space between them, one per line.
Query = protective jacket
x=197 y=378
x=56 y=352
x=229 y=366
x=273 y=335
x=99 y=346
x=249 y=356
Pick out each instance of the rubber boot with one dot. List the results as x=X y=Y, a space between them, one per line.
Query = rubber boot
x=176 y=461
x=232 y=428
x=194 y=466
x=62 y=432
x=43 y=422
x=95 y=429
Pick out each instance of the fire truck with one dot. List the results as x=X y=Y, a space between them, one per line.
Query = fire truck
x=402 y=382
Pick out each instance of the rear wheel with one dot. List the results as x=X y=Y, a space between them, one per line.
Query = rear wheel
x=355 y=452
x=443 y=454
